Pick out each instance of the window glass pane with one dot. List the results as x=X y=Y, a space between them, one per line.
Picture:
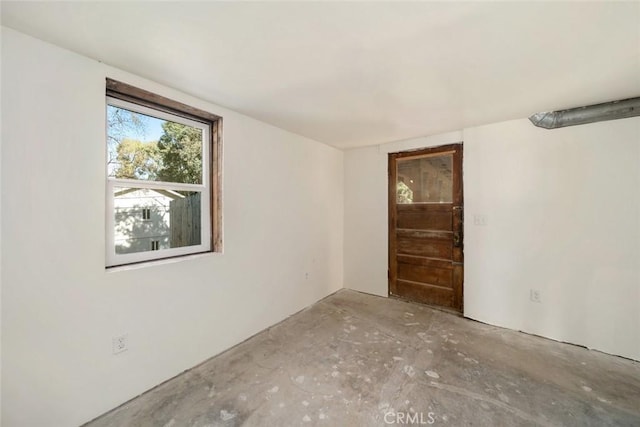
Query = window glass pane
x=151 y=149
x=425 y=180
x=173 y=219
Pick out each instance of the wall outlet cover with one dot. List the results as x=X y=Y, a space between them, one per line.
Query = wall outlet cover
x=480 y=220
x=534 y=295
x=120 y=343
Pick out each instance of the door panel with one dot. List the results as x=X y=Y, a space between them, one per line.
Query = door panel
x=426 y=262
x=427 y=294
x=425 y=226
x=430 y=248
x=418 y=217
x=430 y=275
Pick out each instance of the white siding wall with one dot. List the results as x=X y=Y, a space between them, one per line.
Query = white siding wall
x=132 y=232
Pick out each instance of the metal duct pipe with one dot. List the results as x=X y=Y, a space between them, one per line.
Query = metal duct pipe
x=593 y=113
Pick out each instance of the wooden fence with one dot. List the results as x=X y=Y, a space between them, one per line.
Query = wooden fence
x=185 y=221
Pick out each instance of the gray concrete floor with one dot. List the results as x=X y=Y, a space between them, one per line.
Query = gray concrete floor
x=358 y=360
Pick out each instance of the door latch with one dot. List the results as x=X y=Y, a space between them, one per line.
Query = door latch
x=457 y=239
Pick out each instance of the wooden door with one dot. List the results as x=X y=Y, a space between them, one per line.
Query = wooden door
x=425 y=226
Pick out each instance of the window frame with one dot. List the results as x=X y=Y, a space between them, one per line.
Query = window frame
x=129 y=97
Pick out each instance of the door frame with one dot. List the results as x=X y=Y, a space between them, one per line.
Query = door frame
x=457 y=215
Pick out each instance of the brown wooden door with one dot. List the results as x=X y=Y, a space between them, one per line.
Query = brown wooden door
x=425 y=226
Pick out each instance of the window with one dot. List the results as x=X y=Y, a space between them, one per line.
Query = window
x=162 y=157
x=146 y=214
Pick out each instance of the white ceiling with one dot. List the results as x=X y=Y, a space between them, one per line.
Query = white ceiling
x=353 y=74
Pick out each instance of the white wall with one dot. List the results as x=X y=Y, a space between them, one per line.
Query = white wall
x=563 y=211
x=563 y=217
x=283 y=217
x=366 y=213
x=1 y=137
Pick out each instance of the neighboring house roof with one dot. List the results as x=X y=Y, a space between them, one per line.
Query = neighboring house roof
x=167 y=193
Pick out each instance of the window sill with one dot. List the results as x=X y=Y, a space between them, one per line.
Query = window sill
x=156 y=262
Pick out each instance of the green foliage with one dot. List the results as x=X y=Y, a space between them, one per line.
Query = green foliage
x=176 y=157
x=137 y=160
x=404 y=193
x=180 y=148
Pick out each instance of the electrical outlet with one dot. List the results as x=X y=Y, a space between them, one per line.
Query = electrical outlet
x=534 y=295
x=306 y=276
x=120 y=344
x=480 y=220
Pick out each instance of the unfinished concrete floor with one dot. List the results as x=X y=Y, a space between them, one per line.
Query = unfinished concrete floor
x=358 y=360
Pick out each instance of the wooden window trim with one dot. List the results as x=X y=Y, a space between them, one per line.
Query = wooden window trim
x=126 y=92
x=139 y=96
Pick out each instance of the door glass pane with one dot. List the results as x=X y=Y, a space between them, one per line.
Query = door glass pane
x=427 y=179
x=152 y=219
